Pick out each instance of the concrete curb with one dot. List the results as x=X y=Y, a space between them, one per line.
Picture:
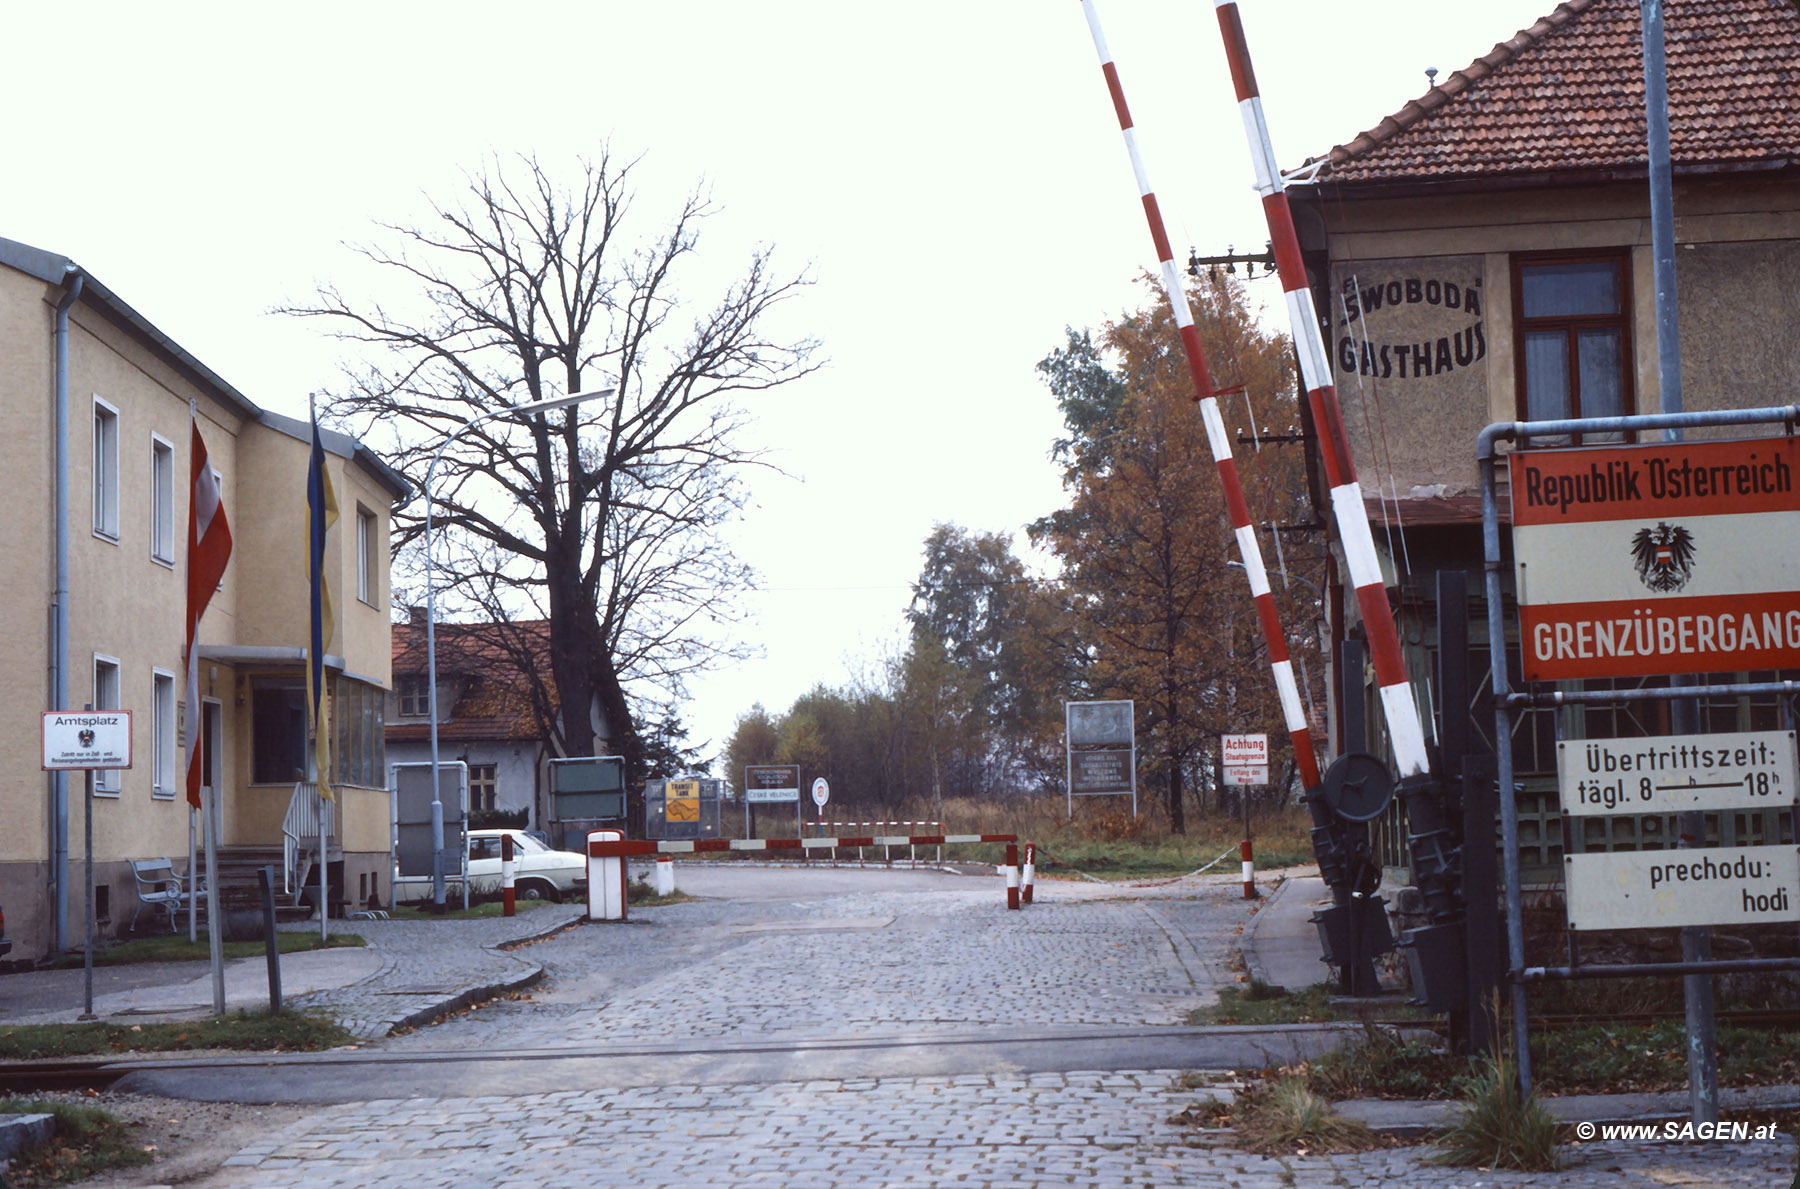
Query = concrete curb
x=18 y=1132
x=1254 y=966
x=466 y=998
x=469 y=996
x=1412 y=1119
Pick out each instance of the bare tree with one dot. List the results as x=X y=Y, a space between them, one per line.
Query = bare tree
x=600 y=518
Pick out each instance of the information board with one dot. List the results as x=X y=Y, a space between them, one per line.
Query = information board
x=1244 y=760
x=1683 y=560
x=587 y=788
x=771 y=784
x=1666 y=774
x=681 y=801
x=1654 y=889
x=93 y=739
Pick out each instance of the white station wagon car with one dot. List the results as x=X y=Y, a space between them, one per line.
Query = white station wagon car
x=539 y=873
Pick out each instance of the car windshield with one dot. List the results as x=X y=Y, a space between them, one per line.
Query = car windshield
x=528 y=844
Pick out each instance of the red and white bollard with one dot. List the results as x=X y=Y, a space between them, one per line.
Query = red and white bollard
x=1030 y=875
x=1249 y=870
x=508 y=869
x=665 y=875
x=1012 y=875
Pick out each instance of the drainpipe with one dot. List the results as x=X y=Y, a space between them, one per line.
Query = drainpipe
x=59 y=611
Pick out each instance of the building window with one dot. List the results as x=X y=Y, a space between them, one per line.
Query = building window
x=278 y=730
x=368 y=556
x=106 y=697
x=162 y=500
x=1573 y=354
x=162 y=740
x=358 y=734
x=415 y=696
x=106 y=470
x=482 y=785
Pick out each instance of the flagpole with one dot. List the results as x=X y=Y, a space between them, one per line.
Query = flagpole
x=193 y=884
x=215 y=531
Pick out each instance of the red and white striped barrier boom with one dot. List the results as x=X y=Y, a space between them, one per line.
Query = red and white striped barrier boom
x=677 y=846
x=1405 y=729
x=1249 y=548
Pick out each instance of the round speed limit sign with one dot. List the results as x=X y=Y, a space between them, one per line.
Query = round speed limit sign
x=821 y=792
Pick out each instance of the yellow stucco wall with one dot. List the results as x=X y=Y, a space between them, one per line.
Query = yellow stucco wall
x=128 y=606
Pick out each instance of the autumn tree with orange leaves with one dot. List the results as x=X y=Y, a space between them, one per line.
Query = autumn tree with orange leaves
x=1146 y=543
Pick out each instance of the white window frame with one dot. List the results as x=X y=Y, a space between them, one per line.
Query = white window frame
x=162 y=500
x=106 y=695
x=162 y=741
x=367 y=568
x=106 y=470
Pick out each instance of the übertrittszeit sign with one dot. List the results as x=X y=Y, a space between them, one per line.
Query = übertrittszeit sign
x=1675 y=557
x=1663 y=774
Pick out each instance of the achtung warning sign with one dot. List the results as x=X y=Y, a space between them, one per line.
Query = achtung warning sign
x=1665 y=558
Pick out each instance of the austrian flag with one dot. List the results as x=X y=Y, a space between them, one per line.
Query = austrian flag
x=209 y=548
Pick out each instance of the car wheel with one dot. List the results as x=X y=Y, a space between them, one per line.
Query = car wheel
x=536 y=890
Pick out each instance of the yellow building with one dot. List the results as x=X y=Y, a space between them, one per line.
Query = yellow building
x=94 y=402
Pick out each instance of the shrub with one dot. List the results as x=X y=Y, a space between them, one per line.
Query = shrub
x=1496 y=1128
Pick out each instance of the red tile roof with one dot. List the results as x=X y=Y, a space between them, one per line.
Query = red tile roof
x=496 y=702
x=1566 y=96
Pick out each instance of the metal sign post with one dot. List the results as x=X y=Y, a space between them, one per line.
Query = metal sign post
x=87 y=741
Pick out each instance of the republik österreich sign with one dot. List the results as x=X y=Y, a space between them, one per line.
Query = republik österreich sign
x=1676 y=557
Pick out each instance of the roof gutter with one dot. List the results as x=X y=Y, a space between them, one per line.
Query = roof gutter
x=75 y=279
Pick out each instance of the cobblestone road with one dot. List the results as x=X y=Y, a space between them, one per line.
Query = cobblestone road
x=872 y=963
x=867 y=963
x=1067 y=1129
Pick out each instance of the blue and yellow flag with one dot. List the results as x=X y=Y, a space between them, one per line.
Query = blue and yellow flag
x=321 y=513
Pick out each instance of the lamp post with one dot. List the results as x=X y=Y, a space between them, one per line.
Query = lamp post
x=431 y=690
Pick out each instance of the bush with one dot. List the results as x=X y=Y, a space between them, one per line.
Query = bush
x=1288 y=1117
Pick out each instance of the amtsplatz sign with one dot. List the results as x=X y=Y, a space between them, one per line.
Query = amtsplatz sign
x=1668 y=558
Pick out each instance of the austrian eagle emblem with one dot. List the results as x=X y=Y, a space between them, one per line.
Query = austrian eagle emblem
x=1663 y=556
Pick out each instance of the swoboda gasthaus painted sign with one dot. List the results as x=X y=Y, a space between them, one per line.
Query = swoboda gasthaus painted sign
x=1677 y=557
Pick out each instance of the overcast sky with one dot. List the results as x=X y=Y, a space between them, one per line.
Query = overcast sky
x=950 y=174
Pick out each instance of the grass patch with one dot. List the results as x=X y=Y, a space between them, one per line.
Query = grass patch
x=1259 y=1003
x=1281 y=1116
x=640 y=894
x=177 y=948
x=1593 y=1059
x=247 y=1031
x=88 y=1141
x=1619 y=1058
x=1495 y=1128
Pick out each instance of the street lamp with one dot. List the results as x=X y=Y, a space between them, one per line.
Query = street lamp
x=431 y=691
